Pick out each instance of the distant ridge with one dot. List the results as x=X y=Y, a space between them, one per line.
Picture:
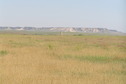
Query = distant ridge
x=62 y=29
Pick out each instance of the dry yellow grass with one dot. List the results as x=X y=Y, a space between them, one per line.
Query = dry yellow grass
x=37 y=59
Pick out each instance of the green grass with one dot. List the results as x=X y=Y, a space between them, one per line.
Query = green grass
x=96 y=59
x=3 y=52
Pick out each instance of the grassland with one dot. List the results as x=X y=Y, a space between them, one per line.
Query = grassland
x=49 y=59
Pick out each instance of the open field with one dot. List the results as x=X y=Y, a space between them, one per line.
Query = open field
x=54 y=59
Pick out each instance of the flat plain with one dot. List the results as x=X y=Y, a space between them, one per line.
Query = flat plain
x=68 y=59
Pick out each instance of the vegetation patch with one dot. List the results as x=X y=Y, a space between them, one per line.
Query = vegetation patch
x=122 y=72
x=3 y=52
x=80 y=74
x=102 y=59
x=50 y=46
x=21 y=44
x=93 y=58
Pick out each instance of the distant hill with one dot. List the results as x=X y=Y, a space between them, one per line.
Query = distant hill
x=64 y=29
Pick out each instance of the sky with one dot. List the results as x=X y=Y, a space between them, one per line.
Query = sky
x=64 y=13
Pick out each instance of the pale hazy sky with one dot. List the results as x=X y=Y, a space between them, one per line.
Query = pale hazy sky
x=64 y=13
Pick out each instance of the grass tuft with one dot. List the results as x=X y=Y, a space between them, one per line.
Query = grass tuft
x=50 y=47
x=3 y=52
